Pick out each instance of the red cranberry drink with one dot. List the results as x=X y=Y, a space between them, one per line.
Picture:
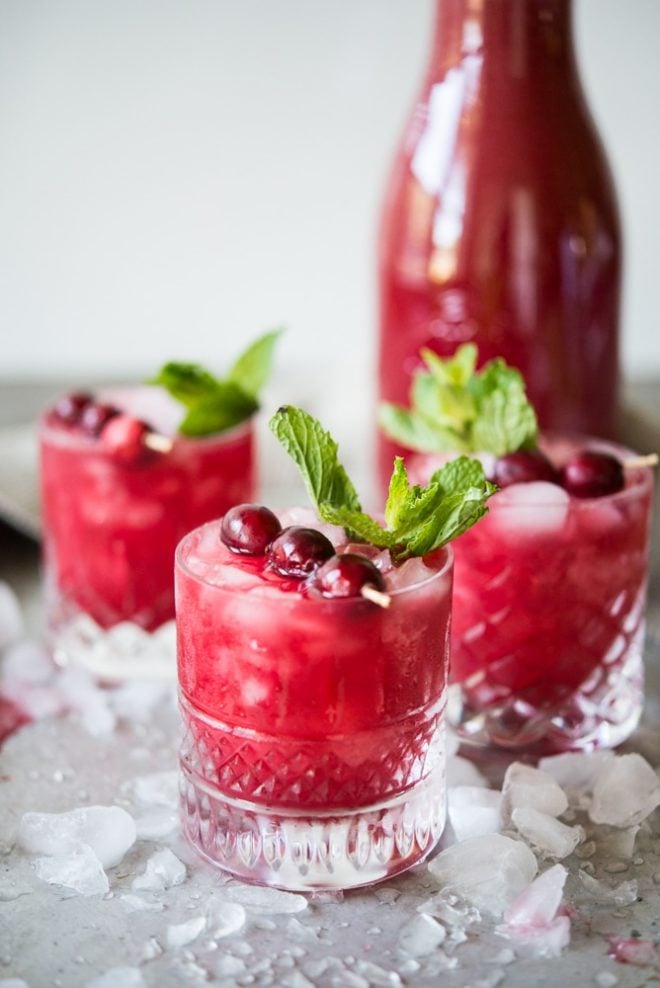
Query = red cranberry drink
x=549 y=596
x=125 y=474
x=313 y=670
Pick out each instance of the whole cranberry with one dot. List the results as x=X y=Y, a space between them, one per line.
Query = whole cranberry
x=123 y=438
x=249 y=529
x=70 y=407
x=345 y=575
x=299 y=551
x=524 y=467
x=592 y=474
x=95 y=417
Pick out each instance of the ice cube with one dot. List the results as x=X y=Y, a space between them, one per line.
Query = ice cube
x=225 y=918
x=627 y=790
x=473 y=811
x=150 y=950
x=528 y=510
x=229 y=967
x=576 y=771
x=530 y=787
x=11 y=616
x=412 y=572
x=163 y=871
x=156 y=825
x=633 y=951
x=119 y=977
x=619 y=844
x=377 y=976
x=157 y=788
x=27 y=662
x=422 y=935
x=620 y=895
x=537 y=905
x=108 y=830
x=462 y=772
x=605 y=979
x=136 y=700
x=542 y=942
x=488 y=871
x=78 y=869
x=91 y=705
x=267 y=901
x=532 y=920
x=180 y=934
x=549 y=836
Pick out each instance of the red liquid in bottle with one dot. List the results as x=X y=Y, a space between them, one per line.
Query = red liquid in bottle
x=500 y=223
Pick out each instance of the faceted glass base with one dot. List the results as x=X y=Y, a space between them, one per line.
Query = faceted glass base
x=602 y=713
x=332 y=812
x=302 y=851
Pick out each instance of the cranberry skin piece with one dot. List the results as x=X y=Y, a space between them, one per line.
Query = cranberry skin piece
x=69 y=408
x=299 y=552
x=95 y=417
x=123 y=438
x=591 y=474
x=524 y=467
x=249 y=529
x=345 y=575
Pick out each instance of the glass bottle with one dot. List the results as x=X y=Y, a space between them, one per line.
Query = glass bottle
x=500 y=223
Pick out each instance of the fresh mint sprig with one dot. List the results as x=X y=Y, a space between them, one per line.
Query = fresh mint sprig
x=214 y=404
x=456 y=407
x=417 y=519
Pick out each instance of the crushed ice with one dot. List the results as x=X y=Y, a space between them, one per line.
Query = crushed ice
x=575 y=807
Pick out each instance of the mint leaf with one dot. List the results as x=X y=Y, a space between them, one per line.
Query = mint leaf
x=463 y=472
x=252 y=369
x=456 y=370
x=429 y=517
x=358 y=525
x=454 y=407
x=215 y=405
x=413 y=431
x=397 y=494
x=506 y=421
x=223 y=407
x=185 y=382
x=314 y=451
x=417 y=519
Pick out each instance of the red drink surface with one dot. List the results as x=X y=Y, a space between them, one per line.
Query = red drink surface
x=306 y=701
x=500 y=223
x=111 y=527
x=549 y=590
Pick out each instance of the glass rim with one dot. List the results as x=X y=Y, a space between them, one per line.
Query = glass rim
x=181 y=564
x=65 y=438
x=641 y=486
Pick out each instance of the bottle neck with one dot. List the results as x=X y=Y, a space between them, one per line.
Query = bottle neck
x=517 y=39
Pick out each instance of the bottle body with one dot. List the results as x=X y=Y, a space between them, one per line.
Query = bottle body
x=500 y=223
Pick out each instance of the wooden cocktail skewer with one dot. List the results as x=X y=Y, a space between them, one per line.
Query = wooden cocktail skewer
x=637 y=462
x=157 y=442
x=376 y=596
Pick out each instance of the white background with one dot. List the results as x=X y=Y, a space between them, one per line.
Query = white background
x=178 y=175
